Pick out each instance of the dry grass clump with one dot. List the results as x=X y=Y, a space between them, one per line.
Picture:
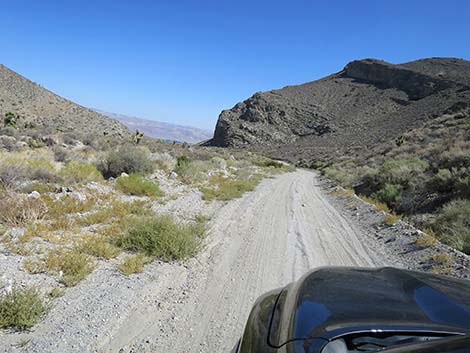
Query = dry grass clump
x=21 y=308
x=116 y=211
x=377 y=204
x=33 y=266
x=135 y=184
x=162 y=237
x=72 y=266
x=78 y=172
x=18 y=210
x=225 y=189
x=133 y=264
x=426 y=240
x=66 y=205
x=391 y=218
x=99 y=247
x=442 y=263
x=344 y=193
x=16 y=167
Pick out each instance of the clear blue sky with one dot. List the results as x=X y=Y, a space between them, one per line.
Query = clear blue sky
x=184 y=61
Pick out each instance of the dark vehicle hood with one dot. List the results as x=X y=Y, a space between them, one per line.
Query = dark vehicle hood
x=330 y=302
x=449 y=345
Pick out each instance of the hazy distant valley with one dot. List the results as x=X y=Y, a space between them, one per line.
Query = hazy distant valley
x=161 y=130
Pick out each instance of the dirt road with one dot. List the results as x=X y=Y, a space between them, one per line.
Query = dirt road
x=260 y=242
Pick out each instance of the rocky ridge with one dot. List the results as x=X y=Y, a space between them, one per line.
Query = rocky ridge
x=368 y=102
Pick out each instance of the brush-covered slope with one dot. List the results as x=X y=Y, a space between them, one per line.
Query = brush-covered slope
x=368 y=102
x=49 y=112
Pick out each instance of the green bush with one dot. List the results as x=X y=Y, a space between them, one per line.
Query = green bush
x=162 y=237
x=78 y=172
x=403 y=171
x=21 y=308
x=126 y=159
x=182 y=165
x=73 y=264
x=135 y=184
x=269 y=163
x=133 y=264
x=226 y=189
x=453 y=224
x=342 y=177
x=389 y=194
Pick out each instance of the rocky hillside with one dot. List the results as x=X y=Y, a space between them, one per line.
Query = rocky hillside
x=161 y=130
x=367 y=103
x=31 y=105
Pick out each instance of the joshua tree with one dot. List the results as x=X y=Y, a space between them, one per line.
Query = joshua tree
x=10 y=120
x=137 y=137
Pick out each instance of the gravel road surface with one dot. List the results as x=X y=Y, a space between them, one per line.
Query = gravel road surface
x=260 y=242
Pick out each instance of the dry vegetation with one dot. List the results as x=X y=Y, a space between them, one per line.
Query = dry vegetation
x=69 y=207
x=424 y=176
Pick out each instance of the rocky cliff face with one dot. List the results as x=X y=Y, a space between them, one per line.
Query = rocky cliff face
x=368 y=102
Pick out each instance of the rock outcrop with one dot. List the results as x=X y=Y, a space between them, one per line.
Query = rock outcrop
x=368 y=102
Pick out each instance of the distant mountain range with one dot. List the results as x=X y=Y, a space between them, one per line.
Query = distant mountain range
x=161 y=130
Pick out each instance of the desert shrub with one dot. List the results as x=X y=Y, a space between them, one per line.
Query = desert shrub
x=453 y=224
x=60 y=154
x=11 y=174
x=78 y=172
x=133 y=264
x=19 y=210
x=182 y=165
x=72 y=264
x=268 y=163
x=56 y=292
x=98 y=247
x=135 y=184
x=163 y=237
x=9 y=131
x=126 y=159
x=69 y=138
x=42 y=188
x=21 y=308
x=342 y=177
x=463 y=186
x=402 y=171
x=389 y=194
x=442 y=181
x=227 y=189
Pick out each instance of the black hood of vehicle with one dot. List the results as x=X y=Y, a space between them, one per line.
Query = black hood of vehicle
x=333 y=301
